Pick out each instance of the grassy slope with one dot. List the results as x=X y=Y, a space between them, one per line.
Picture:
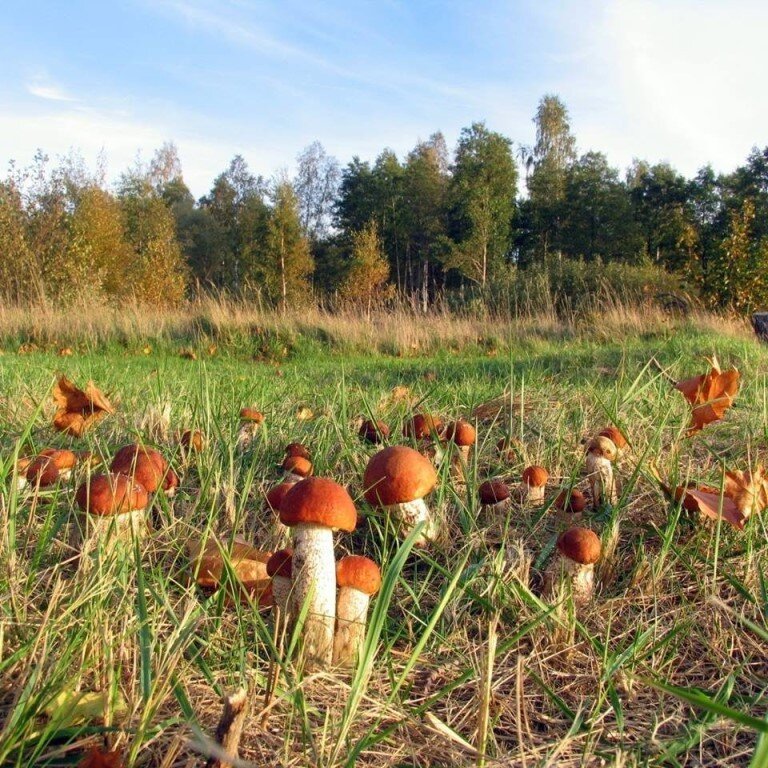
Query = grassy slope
x=561 y=690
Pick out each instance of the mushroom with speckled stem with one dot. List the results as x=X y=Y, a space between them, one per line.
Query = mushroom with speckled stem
x=463 y=435
x=313 y=509
x=48 y=467
x=279 y=568
x=601 y=453
x=534 y=483
x=251 y=420
x=357 y=578
x=495 y=497
x=296 y=468
x=397 y=479
x=570 y=504
x=578 y=549
x=112 y=506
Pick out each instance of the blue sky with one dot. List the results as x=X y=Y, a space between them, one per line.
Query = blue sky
x=675 y=80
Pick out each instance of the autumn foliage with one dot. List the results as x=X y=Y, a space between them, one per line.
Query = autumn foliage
x=710 y=395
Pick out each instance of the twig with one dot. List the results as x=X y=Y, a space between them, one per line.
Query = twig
x=230 y=728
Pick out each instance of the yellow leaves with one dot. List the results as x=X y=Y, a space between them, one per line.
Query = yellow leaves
x=71 y=707
x=304 y=414
x=710 y=395
x=77 y=410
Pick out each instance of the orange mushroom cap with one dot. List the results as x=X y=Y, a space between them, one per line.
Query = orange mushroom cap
x=396 y=475
x=613 y=434
x=572 y=502
x=580 y=545
x=461 y=432
x=111 y=494
x=297 y=449
x=146 y=465
x=373 y=431
x=318 y=501
x=251 y=414
x=274 y=496
x=358 y=572
x=422 y=425
x=535 y=476
x=298 y=465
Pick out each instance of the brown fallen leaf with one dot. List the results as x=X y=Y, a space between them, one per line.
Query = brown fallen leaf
x=744 y=493
x=497 y=407
x=77 y=410
x=248 y=563
x=710 y=394
x=98 y=758
x=304 y=414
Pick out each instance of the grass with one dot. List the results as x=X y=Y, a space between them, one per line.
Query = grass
x=465 y=662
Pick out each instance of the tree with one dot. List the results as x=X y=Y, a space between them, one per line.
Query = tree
x=484 y=187
x=316 y=186
x=157 y=273
x=597 y=214
x=287 y=265
x=368 y=270
x=552 y=156
x=17 y=262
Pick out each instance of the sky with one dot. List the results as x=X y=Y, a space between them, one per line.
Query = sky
x=680 y=81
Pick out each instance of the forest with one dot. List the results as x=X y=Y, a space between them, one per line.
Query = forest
x=470 y=223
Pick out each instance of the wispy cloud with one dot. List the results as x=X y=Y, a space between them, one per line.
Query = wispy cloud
x=44 y=89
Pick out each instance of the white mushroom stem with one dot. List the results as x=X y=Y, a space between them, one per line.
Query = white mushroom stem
x=281 y=593
x=247 y=435
x=581 y=577
x=114 y=528
x=489 y=511
x=314 y=586
x=601 y=480
x=351 y=617
x=534 y=493
x=290 y=477
x=408 y=515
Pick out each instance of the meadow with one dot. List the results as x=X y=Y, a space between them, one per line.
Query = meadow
x=466 y=662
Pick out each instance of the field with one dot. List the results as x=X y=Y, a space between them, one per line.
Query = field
x=466 y=663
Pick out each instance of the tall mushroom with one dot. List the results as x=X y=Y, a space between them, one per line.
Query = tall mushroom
x=250 y=421
x=397 y=479
x=534 y=483
x=112 y=503
x=313 y=509
x=578 y=551
x=357 y=578
x=601 y=452
x=463 y=435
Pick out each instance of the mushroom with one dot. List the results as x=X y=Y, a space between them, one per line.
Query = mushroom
x=109 y=500
x=297 y=449
x=296 y=468
x=50 y=466
x=462 y=434
x=147 y=466
x=424 y=429
x=192 y=441
x=313 y=509
x=397 y=479
x=509 y=449
x=601 y=451
x=570 y=503
x=616 y=436
x=357 y=579
x=494 y=496
x=578 y=551
x=374 y=432
x=279 y=570
x=272 y=501
x=250 y=421
x=534 y=482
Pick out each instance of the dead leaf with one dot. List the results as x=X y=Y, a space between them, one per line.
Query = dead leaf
x=98 y=758
x=248 y=563
x=304 y=414
x=77 y=410
x=744 y=493
x=501 y=406
x=711 y=394
x=71 y=707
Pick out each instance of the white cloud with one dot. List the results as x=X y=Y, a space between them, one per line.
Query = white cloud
x=44 y=89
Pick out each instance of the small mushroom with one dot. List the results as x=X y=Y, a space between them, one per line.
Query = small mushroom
x=112 y=505
x=463 y=435
x=534 y=483
x=578 y=551
x=601 y=452
x=570 y=503
x=50 y=466
x=192 y=441
x=297 y=449
x=495 y=497
x=296 y=468
x=373 y=432
x=313 y=509
x=279 y=570
x=616 y=436
x=397 y=479
x=250 y=421
x=357 y=578
x=424 y=429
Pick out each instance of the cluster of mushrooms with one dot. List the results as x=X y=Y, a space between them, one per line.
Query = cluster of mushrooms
x=308 y=590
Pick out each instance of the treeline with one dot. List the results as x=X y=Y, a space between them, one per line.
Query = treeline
x=434 y=222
